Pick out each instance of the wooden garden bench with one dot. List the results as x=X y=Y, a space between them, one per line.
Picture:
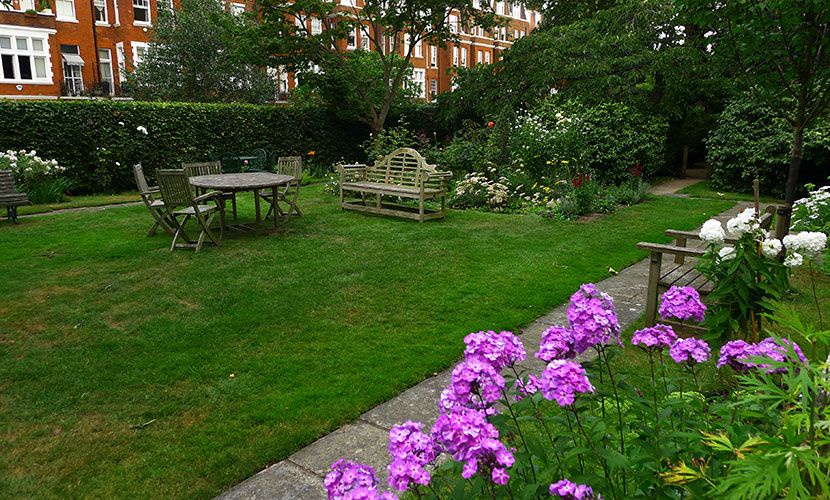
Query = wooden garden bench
x=10 y=197
x=680 y=272
x=403 y=173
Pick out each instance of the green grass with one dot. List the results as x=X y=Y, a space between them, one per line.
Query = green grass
x=116 y=355
x=93 y=200
x=704 y=190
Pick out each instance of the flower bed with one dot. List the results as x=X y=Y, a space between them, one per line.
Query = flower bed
x=39 y=178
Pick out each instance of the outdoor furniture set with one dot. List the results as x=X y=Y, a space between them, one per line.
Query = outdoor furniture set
x=199 y=191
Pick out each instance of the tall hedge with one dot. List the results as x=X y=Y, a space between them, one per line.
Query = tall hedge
x=98 y=140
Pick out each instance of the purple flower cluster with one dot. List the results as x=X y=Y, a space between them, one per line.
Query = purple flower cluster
x=739 y=354
x=592 y=318
x=527 y=387
x=690 y=350
x=658 y=336
x=682 y=303
x=353 y=481
x=499 y=349
x=470 y=438
x=572 y=491
x=561 y=380
x=411 y=450
x=557 y=343
x=475 y=383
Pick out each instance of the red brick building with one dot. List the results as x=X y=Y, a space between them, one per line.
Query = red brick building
x=84 y=47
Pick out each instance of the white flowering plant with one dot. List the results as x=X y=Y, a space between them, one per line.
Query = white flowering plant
x=812 y=213
x=39 y=178
x=749 y=275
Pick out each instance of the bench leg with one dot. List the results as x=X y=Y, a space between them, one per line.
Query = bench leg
x=12 y=214
x=421 y=209
x=655 y=262
x=377 y=201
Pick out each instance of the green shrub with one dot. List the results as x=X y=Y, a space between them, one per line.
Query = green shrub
x=42 y=180
x=97 y=141
x=750 y=141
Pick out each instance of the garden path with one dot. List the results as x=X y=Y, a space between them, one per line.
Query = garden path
x=672 y=186
x=365 y=441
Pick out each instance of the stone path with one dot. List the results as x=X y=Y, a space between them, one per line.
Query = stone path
x=672 y=186
x=82 y=209
x=365 y=441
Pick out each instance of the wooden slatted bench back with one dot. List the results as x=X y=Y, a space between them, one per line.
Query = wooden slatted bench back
x=7 y=182
x=402 y=167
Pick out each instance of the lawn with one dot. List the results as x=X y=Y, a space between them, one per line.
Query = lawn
x=704 y=190
x=127 y=370
x=93 y=200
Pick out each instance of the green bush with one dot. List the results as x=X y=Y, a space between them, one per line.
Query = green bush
x=751 y=141
x=97 y=141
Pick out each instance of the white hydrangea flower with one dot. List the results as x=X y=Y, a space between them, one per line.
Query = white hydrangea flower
x=810 y=243
x=744 y=222
x=712 y=232
x=793 y=260
x=771 y=247
x=726 y=253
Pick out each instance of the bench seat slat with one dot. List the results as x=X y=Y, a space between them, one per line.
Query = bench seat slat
x=383 y=188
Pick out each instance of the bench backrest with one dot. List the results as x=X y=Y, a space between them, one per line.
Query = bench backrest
x=7 y=182
x=402 y=167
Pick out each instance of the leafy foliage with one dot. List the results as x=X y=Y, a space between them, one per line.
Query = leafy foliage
x=97 y=140
x=192 y=57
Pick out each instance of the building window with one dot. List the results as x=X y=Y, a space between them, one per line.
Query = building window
x=25 y=5
x=65 y=10
x=237 y=9
x=73 y=78
x=464 y=57
x=24 y=58
x=433 y=56
x=453 y=22
x=419 y=48
x=419 y=82
x=455 y=56
x=316 y=26
x=365 y=42
x=348 y=3
x=486 y=58
x=351 y=39
x=100 y=11
x=479 y=57
x=141 y=11
x=107 y=78
x=161 y=5
x=139 y=53
x=433 y=89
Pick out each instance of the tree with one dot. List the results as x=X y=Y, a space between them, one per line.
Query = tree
x=193 y=57
x=782 y=51
x=287 y=36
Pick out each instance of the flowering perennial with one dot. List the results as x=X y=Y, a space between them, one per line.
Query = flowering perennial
x=658 y=336
x=712 y=232
x=349 y=480
x=739 y=354
x=499 y=349
x=557 y=343
x=682 y=303
x=411 y=450
x=571 y=491
x=475 y=380
x=690 y=350
x=592 y=317
x=561 y=380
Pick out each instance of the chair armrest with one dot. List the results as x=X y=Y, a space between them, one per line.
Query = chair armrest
x=671 y=249
x=213 y=194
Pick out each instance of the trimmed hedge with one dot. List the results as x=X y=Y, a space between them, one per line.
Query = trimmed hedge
x=97 y=141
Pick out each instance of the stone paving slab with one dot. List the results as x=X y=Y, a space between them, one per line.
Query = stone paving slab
x=366 y=440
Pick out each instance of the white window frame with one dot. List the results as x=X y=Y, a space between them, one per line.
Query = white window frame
x=65 y=18
x=135 y=46
x=433 y=89
x=41 y=34
x=105 y=12
x=142 y=4
x=104 y=76
x=433 y=56
x=455 y=56
x=351 y=39
x=73 y=73
x=316 y=26
x=237 y=9
x=419 y=82
x=464 y=57
x=25 y=5
x=487 y=57
x=479 y=57
x=419 y=49
x=452 y=20
x=121 y=60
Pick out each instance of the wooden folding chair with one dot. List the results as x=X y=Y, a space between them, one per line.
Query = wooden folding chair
x=293 y=166
x=210 y=168
x=149 y=195
x=177 y=192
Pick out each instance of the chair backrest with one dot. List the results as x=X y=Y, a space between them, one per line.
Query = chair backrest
x=202 y=168
x=140 y=180
x=175 y=188
x=402 y=167
x=7 y=182
x=290 y=165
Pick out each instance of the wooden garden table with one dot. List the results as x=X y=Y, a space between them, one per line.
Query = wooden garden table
x=246 y=181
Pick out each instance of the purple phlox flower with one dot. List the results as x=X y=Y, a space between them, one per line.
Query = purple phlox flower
x=500 y=349
x=572 y=491
x=349 y=480
x=778 y=351
x=470 y=438
x=735 y=353
x=682 y=303
x=690 y=350
x=526 y=387
x=592 y=318
x=658 y=336
x=557 y=343
x=561 y=380
x=411 y=450
x=474 y=384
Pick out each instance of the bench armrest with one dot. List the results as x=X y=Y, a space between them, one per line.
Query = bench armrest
x=355 y=169
x=693 y=235
x=671 y=249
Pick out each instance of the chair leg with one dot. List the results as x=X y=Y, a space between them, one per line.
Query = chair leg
x=178 y=233
x=233 y=202
x=221 y=218
x=152 y=231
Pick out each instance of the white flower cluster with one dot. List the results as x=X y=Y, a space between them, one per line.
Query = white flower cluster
x=495 y=193
x=809 y=244
x=712 y=232
x=744 y=222
x=815 y=204
x=28 y=163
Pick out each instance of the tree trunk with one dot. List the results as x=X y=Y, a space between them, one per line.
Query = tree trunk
x=785 y=212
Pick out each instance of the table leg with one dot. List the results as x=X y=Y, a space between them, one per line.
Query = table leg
x=276 y=211
x=256 y=204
